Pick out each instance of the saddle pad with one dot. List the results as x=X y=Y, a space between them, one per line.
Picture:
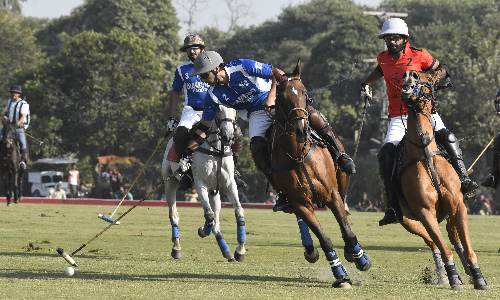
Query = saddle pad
x=171 y=156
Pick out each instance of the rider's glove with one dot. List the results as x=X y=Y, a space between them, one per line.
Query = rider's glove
x=366 y=92
x=172 y=124
x=186 y=160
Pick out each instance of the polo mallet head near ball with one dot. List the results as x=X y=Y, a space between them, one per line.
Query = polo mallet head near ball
x=68 y=258
x=108 y=219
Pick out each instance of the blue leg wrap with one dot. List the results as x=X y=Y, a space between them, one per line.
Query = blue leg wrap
x=242 y=235
x=337 y=267
x=305 y=236
x=207 y=229
x=175 y=230
x=358 y=255
x=224 y=248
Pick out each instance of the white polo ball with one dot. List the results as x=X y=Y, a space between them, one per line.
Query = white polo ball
x=69 y=271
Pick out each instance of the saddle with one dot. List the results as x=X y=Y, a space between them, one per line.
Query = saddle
x=398 y=169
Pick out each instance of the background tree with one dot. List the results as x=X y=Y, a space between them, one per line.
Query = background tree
x=12 y=5
x=192 y=8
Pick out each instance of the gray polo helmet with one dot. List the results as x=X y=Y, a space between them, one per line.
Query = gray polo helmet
x=193 y=40
x=15 y=89
x=205 y=62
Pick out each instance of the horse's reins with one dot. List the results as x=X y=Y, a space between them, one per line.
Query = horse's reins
x=303 y=157
x=220 y=153
x=425 y=139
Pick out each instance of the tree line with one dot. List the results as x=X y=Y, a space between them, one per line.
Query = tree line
x=98 y=80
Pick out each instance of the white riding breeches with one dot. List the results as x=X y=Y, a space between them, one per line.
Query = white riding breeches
x=189 y=117
x=259 y=122
x=397 y=128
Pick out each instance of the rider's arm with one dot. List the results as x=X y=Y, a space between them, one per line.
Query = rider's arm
x=21 y=120
x=271 y=96
x=174 y=99
x=374 y=76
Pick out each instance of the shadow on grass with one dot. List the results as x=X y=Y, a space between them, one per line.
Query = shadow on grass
x=83 y=275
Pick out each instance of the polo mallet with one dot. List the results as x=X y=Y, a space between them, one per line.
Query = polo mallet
x=37 y=140
x=344 y=196
x=470 y=170
x=69 y=258
x=354 y=66
x=109 y=219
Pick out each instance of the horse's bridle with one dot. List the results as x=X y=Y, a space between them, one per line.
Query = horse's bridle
x=288 y=126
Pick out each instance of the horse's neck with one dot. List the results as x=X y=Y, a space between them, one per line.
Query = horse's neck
x=213 y=141
x=412 y=134
x=289 y=144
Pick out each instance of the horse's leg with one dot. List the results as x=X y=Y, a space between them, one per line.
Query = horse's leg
x=339 y=272
x=20 y=187
x=224 y=248
x=203 y=195
x=14 y=186
x=430 y=223
x=455 y=241
x=232 y=193
x=416 y=228
x=361 y=259
x=311 y=253
x=460 y=221
x=9 y=188
x=6 y=186
x=170 y=196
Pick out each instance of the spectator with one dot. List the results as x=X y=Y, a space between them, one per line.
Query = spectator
x=122 y=192
x=475 y=206
x=271 y=199
x=108 y=194
x=83 y=192
x=73 y=181
x=365 y=204
x=115 y=179
x=485 y=206
x=379 y=206
x=59 y=193
x=191 y=196
x=243 y=198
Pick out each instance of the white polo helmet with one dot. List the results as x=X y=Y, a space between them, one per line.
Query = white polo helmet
x=394 y=26
x=205 y=62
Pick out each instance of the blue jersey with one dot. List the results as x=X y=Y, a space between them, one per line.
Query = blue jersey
x=247 y=89
x=194 y=90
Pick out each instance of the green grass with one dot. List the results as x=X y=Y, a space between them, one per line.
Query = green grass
x=132 y=260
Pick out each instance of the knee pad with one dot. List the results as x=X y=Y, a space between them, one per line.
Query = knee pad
x=260 y=155
x=317 y=120
x=445 y=136
x=238 y=141
x=181 y=140
x=386 y=158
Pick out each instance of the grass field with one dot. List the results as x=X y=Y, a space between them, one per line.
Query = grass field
x=132 y=260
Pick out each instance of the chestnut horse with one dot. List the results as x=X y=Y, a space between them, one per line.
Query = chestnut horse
x=429 y=183
x=305 y=172
x=10 y=157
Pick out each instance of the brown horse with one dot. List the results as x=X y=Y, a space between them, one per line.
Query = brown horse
x=10 y=158
x=429 y=183
x=304 y=171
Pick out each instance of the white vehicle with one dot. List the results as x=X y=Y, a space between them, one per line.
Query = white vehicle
x=45 y=181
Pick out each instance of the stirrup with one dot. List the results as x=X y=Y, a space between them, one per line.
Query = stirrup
x=22 y=165
x=490 y=182
x=390 y=217
x=346 y=164
x=468 y=188
x=281 y=204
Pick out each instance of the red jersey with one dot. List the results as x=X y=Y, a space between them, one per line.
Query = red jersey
x=411 y=59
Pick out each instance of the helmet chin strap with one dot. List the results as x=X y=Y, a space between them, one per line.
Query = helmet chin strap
x=217 y=78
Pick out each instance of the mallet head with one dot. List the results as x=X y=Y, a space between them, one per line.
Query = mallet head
x=68 y=258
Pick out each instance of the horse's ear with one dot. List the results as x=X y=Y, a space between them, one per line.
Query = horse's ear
x=297 y=70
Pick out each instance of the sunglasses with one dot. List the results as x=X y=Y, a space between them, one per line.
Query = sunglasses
x=204 y=75
x=192 y=48
x=389 y=38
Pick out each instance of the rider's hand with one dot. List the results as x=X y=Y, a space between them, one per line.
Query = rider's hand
x=186 y=160
x=172 y=124
x=366 y=92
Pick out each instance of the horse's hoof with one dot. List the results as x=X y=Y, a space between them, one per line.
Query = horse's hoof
x=483 y=288
x=348 y=255
x=367 y=265
x=230 y=258
x=239 y=257
x=201 y=233
x=176 y=254
x=457 y=287
x=20 y=199
x=313 y=257
x=442 y=278
x=343 y=282
x=9 y=204
x=15 y=201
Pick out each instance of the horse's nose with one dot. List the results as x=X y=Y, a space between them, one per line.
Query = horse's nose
x=227 y=140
